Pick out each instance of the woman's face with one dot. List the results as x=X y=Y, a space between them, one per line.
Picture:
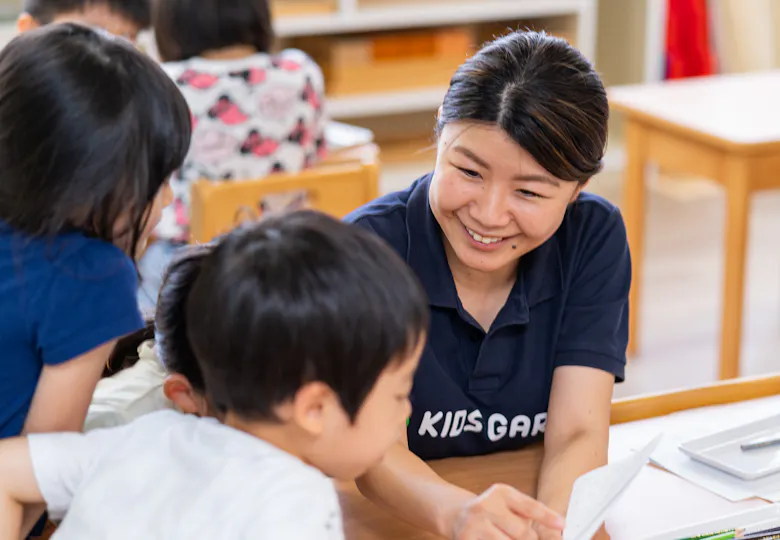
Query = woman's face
x=492 y=200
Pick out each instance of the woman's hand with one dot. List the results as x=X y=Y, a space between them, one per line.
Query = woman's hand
x=547 y=534
x=503 y=513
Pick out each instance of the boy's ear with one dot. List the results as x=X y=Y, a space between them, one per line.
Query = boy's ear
x=177 y=388
x=311 y=407
x=26 y=22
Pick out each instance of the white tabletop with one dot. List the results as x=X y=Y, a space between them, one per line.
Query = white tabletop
x=740 y=109
x=658 y=501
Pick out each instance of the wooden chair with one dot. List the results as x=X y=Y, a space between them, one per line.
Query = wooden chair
x=334 y=188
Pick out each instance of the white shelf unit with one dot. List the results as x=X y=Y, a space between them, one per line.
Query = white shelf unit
x=352 y=17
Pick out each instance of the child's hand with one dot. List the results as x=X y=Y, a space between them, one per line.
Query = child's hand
x=503 y=512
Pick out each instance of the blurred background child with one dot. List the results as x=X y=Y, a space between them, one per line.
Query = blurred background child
x=255 y=112
x=125 y=18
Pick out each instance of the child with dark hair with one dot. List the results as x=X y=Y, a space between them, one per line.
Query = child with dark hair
x=256 y=112
x=90 y=131
x=307 y=332
x=125 y=18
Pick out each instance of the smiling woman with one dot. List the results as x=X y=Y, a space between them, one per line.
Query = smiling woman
x=527 y=277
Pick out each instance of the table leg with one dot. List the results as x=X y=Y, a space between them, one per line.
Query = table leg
x=737 y=181
x=633 y=209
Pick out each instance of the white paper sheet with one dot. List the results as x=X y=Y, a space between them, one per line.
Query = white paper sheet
x=658 y=501
x=594 y=493
x=683 y=426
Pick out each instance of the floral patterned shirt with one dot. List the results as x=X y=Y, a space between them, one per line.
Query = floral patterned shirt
x=251 y=117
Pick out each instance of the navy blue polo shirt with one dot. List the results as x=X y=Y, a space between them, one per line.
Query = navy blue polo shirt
x=478 y=392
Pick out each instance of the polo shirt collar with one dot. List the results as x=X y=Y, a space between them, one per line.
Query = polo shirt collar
x=539 y=274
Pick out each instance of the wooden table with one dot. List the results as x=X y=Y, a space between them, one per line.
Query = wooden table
x=365 y=521
x=726 y=128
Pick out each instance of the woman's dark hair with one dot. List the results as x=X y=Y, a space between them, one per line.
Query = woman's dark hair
x=298 y=298
x=185 y=29
x=45 y=11
x=171 y=316
x=543 y=93
x=90 y=130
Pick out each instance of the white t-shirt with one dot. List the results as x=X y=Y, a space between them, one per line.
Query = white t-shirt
x=131 y=393
x=173 y=476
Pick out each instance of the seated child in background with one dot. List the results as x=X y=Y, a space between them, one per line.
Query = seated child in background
x=125 y=18
x=255 y=113
x=154 y=382
x=307 y=332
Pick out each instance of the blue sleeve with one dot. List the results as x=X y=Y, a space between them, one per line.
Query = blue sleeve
x=594 y=329
x=91 y=300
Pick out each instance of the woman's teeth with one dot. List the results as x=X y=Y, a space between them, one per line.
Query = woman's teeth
x=483 y=239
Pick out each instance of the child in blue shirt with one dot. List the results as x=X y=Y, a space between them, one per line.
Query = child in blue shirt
x=90 y=131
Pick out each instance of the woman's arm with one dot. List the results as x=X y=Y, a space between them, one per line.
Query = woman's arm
x=406 y=486
x=576 y=438
x=18 y=486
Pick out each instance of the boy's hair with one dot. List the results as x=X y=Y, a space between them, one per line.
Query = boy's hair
x=171 y=316
x=168 y=328
x=45 y=11
x=90 y=129
x=299 y=298
x=187 y=28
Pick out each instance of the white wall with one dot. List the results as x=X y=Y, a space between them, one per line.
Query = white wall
x=7 y=32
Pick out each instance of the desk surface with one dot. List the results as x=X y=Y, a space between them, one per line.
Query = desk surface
x=657 y=501
x=364 y=521
x=735 y=110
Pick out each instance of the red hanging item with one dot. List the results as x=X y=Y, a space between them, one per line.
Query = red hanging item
x=688 y=50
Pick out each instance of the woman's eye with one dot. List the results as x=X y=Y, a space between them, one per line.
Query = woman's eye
x=529 y=194
x=469 y=172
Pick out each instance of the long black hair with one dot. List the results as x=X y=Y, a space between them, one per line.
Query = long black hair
x=543 y=93
x=90 y=130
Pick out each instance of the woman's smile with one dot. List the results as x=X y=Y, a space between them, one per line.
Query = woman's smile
x=484 y=242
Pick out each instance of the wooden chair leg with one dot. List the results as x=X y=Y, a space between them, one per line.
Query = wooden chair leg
x=737 y=181
x=633 y=209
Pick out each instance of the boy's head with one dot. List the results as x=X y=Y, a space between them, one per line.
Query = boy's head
x=308 y=332
x=125 y=18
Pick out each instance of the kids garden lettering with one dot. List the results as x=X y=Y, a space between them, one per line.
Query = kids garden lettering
x=452 y=424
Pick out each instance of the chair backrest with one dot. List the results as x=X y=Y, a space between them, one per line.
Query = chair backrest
x=336 y=189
